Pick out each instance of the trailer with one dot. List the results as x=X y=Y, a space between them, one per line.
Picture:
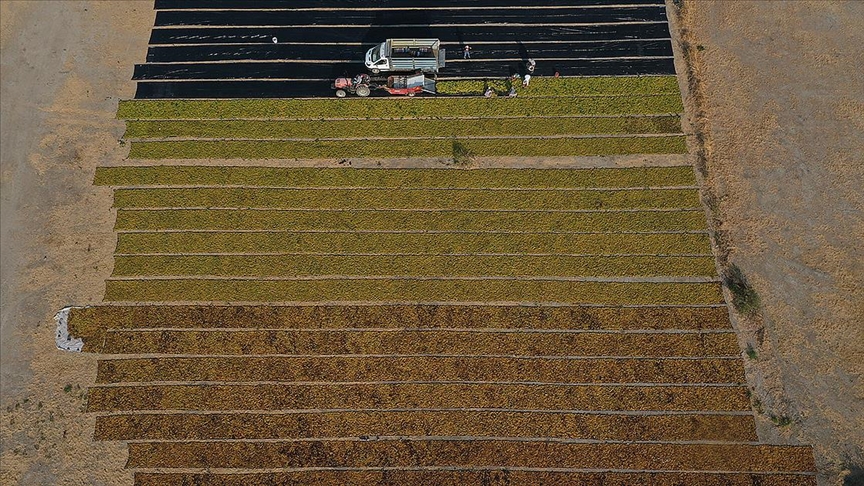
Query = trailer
x=405 y=85
x=409 y=85
x=406 y=55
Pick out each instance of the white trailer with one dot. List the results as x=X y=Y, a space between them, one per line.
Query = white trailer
x=406 y=55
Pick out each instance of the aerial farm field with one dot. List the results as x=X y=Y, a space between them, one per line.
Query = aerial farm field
x=500 y=284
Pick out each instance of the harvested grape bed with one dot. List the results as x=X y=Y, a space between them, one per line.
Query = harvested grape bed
x=493 y=477
x=437 y=396
x=454 y=342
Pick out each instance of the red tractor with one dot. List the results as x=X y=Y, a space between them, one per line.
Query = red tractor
x=404 y=84
x=359 y=85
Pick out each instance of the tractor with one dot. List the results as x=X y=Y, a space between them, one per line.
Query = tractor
x=359 y=85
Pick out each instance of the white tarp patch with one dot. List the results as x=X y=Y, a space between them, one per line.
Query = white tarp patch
x=62 y=338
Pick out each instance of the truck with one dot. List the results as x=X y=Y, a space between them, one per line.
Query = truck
x=406 y=55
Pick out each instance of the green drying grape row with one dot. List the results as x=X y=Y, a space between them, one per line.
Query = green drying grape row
x=410 y=220
x=412 y=266
x=289 y=129
x=336 y=149
x=331 y=198
x=398 y=108
x=413 y=290
x=414 y=243
x=203 y=175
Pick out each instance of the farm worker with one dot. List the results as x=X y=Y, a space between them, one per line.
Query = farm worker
x=489 y=92
x=526 y=80
x=530 y=66
x=466 y=53
x=512 y=93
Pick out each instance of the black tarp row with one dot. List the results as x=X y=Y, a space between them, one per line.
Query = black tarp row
x=373 y=35
x=527 y=15
x=329 y=70
x=316 y=52
x=337 y=4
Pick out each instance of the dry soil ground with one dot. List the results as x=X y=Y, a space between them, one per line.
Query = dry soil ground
x=778 y=98
x=781 y=110
x=64 y=66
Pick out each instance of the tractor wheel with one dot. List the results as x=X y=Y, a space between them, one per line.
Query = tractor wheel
x=411 y=95
x=340 y=93
x=363 y=91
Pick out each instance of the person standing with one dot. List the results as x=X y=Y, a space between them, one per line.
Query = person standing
x=466 y=52
x=526 y=80
x=530 y=66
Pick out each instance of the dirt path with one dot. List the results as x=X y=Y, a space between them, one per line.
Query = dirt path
x=784 y=130
x=64 y=66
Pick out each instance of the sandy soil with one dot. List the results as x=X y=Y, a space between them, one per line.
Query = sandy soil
x=777 y=104
x=64 y=66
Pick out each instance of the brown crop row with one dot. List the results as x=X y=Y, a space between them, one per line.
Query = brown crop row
x=90 y=323
x=416 y=342
x=494 y=477
x=378 y=453
x=418 y=395
x=420 y=368
x=732 y=428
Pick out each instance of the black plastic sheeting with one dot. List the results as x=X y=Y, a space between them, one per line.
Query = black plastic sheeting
x=301 y=52
x=226 y=48
x=410 y=17
x=287 y=4
x=374 y=35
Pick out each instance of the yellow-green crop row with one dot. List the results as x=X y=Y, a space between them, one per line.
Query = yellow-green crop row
x=524 y=199
x=412 y=265
x=179 y=175
x=415 y=243
x=444 y=220
x=335 y=149
x=413 y=290
x=284 y=129
x=583 y=86
x=476 y=87
x=321 y=108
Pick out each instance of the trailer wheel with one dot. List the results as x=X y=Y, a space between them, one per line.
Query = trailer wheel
x=376 y=71
x=363 y=91
x=340 y=93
